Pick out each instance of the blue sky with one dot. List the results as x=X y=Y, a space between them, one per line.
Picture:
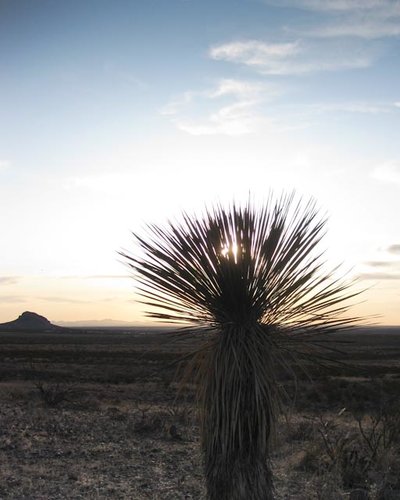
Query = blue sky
x=118 y=113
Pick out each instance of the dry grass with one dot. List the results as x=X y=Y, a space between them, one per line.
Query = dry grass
x=114 y=437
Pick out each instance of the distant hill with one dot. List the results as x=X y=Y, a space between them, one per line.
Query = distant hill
x=29 y=321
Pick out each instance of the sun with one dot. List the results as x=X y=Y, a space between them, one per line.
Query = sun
x=229 y=250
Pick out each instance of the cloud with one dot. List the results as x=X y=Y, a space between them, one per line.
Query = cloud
x=235 y=107
x=264 y=57
x=387 y=172
x=367 y=19
x=388 y=269
x=394 y=249
x=353 y=107
x=4 y=164
x=379 y=276
x=230 y=107
x=63 y=300
x=107 y=276
x=238 y=88
x=236 y=119
x=339 y=5
x=293 y=58
x=173 y=107
x=12 y=299
x=98 y=276
x=363 y=28
x=226 y=87
x=255 y=53
x=8 y=280
x=379 y=263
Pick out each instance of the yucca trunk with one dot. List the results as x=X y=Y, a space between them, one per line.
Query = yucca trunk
x=238 y=405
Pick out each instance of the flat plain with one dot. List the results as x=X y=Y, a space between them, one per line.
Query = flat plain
x=96 y=414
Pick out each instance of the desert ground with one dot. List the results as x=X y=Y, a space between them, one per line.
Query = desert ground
x=95 y=414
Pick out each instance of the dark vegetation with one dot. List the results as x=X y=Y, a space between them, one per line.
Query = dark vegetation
x=94 y=414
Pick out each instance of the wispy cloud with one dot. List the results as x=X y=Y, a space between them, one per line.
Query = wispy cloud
x=268 y=57
x=339 y=5
x=4 y=164
x=98 y=277
x=386 y=267
x=368 y=29
x=394 y=249
x=236 y=119
x=379 y=276
x=379 y=263
x=361 y=107
x=8 y=280
x=368 y=19
x=230 y=107
x=387 y=172
x=292 y=58
x=107 y=277
x=11 y=299
x=174 y=106
x=239 y=89
x=235 y=107
x=65 y=300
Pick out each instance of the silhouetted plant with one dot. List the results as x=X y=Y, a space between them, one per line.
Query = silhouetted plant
x=252 y=282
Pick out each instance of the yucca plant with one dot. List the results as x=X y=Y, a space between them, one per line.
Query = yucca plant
x=252 y=282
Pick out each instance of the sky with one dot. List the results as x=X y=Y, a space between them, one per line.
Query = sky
x=119 y=113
